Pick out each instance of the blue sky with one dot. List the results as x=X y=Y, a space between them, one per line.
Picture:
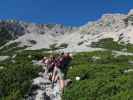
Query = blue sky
x=67 y=12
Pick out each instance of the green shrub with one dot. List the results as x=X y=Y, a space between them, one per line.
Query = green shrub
x=80 y=43
x=32 y=42
x=63 y=45
x=5 y=36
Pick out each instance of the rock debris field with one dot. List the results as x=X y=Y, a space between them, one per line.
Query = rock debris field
x=41 y=88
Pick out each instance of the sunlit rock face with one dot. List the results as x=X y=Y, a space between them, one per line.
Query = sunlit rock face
x=37 y=36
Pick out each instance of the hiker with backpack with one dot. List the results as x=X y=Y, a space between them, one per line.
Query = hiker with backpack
x=61 y=64
x=49 y=65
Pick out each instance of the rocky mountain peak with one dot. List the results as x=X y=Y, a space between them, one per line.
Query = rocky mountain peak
x=130 y=12
x=107 y=23
x=44 y=35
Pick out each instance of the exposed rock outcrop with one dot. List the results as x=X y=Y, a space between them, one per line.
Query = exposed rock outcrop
x=38 y=36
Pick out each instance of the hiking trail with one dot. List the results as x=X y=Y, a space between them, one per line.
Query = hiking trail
x=41 y=88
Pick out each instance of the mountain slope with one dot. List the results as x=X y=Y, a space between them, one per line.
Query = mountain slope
x=38 y=36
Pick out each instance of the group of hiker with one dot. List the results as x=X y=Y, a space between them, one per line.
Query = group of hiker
x=57 y=65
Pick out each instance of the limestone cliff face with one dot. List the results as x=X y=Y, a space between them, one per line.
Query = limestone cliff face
x=37 y=36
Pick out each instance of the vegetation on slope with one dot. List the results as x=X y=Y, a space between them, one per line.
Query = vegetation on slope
x=16 y=75
x=110 y=44
x=5 y=36
x=102 y=78
x=11 y=48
